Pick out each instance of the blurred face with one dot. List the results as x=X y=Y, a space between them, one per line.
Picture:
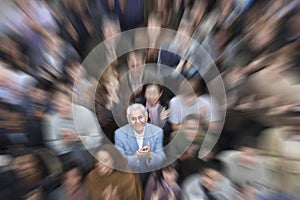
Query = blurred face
x=211 y=179
x=74 y=70
x=137 y=120
x=190 y=129
x=152 y=94
x=39 y=95
x=105 y=163
x=170 y=175
x=73 y=179
x=189 y=99
x=63 y=105
x=112 y=85
x=26 y=166
x=136 y=65
x=110 y=29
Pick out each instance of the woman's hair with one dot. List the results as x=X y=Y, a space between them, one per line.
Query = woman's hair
x=107 y=75
x=119 y=162
x=160 y=89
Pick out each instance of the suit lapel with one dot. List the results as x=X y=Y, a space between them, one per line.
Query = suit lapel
x=132 y=143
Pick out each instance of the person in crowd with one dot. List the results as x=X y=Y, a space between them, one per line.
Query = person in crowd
x=139 y=141
x=155 y=105
x=72 y=186
x=36 y=108
x=189 y=101
x=162 y=184
x=210 y=184
x=106 y=99
x=72 y=131
x=132 y=81
x=186 y=142
x=29 y=177
x=112 y=178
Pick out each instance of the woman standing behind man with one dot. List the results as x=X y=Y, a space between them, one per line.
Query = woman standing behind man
x=156 y=104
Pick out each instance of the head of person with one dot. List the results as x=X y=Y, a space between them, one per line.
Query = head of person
x=249 y=152
x=109 y=81
x=39 y=94
x=110 y=26
x=63 y=104
x=109 y=159
x=185 y=28
x=137 y=117
x=154 y=25
x=189 y=90
x=191 y=127
x=73 y=69
x=73 y=177
x=212 y=175
x=29 y=166
x=136 y=61
x=198 y=11
x=153 y=92
x=170 y=174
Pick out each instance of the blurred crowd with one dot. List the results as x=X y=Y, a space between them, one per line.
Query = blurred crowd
x=46 y=151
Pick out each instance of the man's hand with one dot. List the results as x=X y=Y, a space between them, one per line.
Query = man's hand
x=144 y=152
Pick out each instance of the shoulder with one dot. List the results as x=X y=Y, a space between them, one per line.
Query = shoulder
x=192 y=180
x=175 y=100
x=154 y=129
x=81 y=109
x=124 y=129
x=52 y=119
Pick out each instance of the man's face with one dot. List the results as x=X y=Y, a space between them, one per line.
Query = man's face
x=137 y=120
x=191 y=130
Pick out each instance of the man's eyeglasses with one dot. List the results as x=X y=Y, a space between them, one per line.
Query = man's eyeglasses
x=140 y=118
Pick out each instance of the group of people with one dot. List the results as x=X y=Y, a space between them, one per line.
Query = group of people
x=144 y=115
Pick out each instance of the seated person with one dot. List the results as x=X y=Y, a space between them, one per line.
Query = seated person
x=210 y=184
x=140 y=142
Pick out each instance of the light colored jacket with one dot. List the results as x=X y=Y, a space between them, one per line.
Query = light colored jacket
x=126 y=142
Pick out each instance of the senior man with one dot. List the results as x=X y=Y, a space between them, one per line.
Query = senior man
x=139 y=141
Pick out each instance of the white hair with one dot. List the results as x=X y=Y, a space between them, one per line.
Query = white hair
x=136 y=106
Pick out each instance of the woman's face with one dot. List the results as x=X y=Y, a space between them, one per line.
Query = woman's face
x=152 y=94
x=105 y=163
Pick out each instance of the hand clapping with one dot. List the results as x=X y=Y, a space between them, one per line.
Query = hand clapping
x=144 y=152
